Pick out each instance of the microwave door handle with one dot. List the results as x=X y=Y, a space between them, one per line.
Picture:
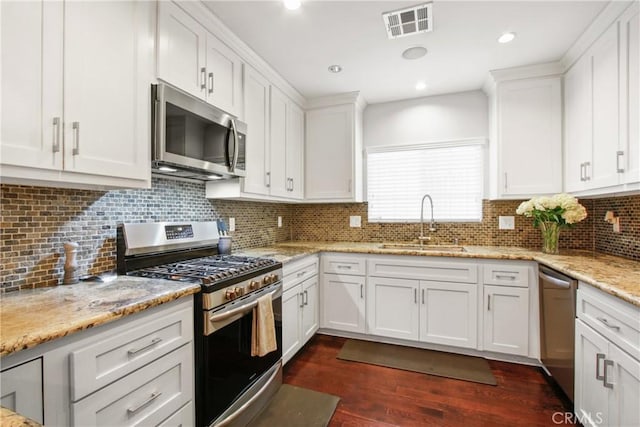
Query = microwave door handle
x=234 y=163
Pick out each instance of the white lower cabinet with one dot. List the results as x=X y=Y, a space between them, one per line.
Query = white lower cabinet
x=300 y=308
x=392 y=307
x=506 y=319
x=607 y=376
x=448 y=313
x=22 y=389
x=343 y=302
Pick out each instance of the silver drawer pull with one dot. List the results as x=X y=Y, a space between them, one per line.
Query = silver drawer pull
x=606 y=323
x=138 y=350
x=599 y=357
x=203 y=82
x=56 y=134
x=302 y=273
x=76 y=134
x=605 y=382
x=154 y=396
x=348 y=267
x=505 y=276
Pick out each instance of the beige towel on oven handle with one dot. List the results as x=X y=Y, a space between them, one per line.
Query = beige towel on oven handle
x=263 y=330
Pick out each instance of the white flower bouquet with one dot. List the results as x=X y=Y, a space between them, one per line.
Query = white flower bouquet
x=550 y=214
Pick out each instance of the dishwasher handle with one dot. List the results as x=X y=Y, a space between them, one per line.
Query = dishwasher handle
x=554 y=280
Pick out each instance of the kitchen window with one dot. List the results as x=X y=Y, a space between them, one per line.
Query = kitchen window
x=451 y=173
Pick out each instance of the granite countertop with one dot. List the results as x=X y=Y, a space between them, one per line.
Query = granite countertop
x=62 y=310
x=8 y=418
x=615 y=275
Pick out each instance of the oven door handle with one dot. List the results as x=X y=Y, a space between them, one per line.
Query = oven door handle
x=240 y=310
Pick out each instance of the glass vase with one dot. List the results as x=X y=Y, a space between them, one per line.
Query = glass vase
x=550 y=235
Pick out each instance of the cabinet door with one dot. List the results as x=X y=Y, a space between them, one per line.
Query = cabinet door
x=577 y=119
x=292 y=304
x=624 y=394
x=630 y=98
x=278 y=142
x=392 y=307
x=107 y=74
x=530 y=136
x=506 y=319
x=31 y=73
x=256 y=115
x=181 y=49
x=343 y=302
x=310 y=315
x=295 y=144
x=438 y=302
x=591 y=398
x=329 y=153
x=224 y=76
x=605 y=72
x=22 y=389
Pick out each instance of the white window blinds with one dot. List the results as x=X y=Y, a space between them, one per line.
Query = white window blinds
x=451 y=173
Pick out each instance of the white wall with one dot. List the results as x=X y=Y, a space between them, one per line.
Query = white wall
x=432 y=118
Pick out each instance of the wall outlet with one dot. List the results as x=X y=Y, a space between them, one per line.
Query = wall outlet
x=232 y=224
x=355 y=221
x=279 y=222
x=506 y=223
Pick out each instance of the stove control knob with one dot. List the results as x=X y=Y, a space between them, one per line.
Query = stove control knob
x=274 y=278
x=239 y=292
x=253 y=285
x=230 y=294
x=266 y=280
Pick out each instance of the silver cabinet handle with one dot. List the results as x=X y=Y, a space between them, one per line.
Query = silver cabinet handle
x=581 y=171
x=302 y=273
x=505 y=182
x=341 y=266
x=606 y=383
x=210 y=82
x=349 y=186
x=138 y=350
x=415 y=295
x=423 y=296
x=203 y=75
x=505 y=276
x=361 y=291
x=599 y=357
x=489 y=302
x=618 y=155
x=306 y=298
x=267 y=177
x=291 y=183
x=154 y=396
x=76 y=136
x=301 y=300
x=56 y=134
x=587 y=176
x=606 y=323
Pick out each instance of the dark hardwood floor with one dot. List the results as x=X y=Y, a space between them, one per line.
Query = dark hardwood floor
x=378 y=396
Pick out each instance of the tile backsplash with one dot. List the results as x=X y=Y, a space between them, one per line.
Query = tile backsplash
x=36 y=221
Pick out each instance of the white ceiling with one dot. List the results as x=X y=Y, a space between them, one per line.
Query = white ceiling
x=462 y=48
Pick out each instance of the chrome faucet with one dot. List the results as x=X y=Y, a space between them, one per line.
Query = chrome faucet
x=432 y=224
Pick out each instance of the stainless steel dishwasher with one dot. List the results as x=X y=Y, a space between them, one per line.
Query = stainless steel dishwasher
x=557 y=326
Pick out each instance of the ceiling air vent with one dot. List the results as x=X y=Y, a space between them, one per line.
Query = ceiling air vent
x=408 y=21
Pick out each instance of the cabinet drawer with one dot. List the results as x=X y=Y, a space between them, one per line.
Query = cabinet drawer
x=615 y=319
x=444 y=271
x=145 y=397
x=341 y=264
x=107 y=359
x=300 y=270
x=506 y=275
x=182 y=418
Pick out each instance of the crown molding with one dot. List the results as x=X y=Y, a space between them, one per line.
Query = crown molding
x=337 y=99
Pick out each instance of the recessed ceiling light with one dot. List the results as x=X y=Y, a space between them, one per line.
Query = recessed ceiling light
x=414 y=52
x=335 y=68
x=506 y=37
x=214 y=177
x=421 y=85
x=291 y=4
x=167 y=169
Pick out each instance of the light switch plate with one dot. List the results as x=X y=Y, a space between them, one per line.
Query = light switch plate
x=506 y=223
x=232 y=224
x=279 y=222
x=355 y=221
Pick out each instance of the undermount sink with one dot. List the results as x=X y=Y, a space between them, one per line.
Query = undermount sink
x=426 y=247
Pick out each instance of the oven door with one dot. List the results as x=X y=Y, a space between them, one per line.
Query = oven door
x=230 y=375
x=189 y=133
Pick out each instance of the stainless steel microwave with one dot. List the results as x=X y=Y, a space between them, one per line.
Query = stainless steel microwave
x=193 y=139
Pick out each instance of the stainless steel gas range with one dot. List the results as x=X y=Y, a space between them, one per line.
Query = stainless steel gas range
x=231 y=385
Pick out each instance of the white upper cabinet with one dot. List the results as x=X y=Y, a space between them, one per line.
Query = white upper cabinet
x=278 y=121
x=102 y=80
x=333 y=152
x=527 y=143
x=295 y=151
x=194 y=60
x=602 y=125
